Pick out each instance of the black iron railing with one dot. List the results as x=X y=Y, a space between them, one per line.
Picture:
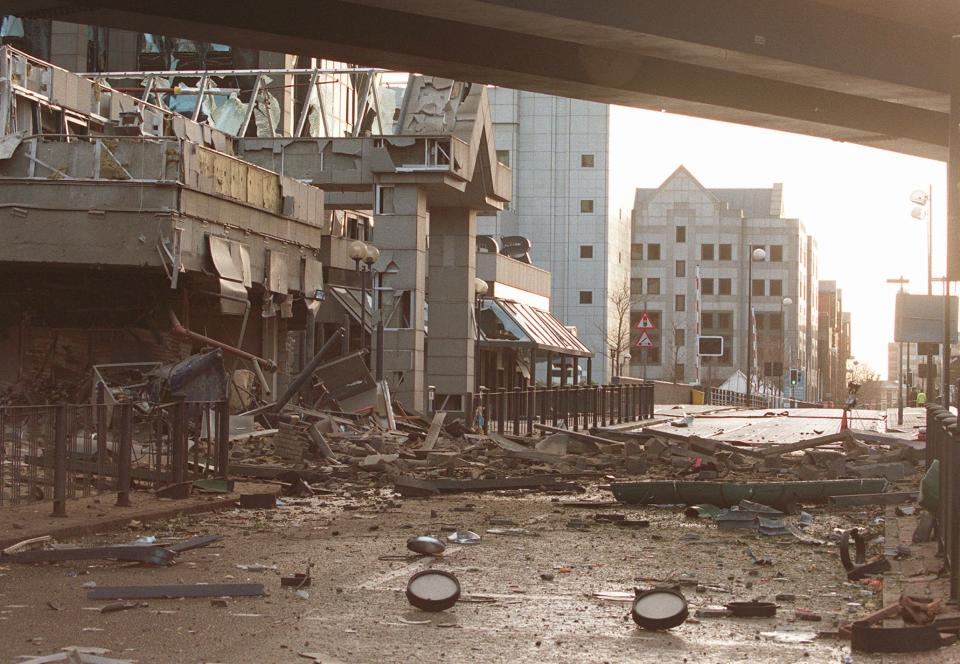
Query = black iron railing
x=576 y=407
x=56 y=453
x=943 y=445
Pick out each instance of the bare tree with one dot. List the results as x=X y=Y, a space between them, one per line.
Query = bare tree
x=617 y=336
x=863 y=373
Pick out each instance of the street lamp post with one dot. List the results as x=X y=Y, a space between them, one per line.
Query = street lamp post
x=784 y=370
x=923 y=200
x=368 y=255
x=757 y=254
x=480 y=288
x=900 y=281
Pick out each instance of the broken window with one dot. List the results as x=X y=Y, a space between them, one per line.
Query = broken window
x=503 y=156
x=438 y=152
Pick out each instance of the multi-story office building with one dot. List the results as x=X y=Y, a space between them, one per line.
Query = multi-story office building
x=559 y=150
x=833 y=332
x=681 y=226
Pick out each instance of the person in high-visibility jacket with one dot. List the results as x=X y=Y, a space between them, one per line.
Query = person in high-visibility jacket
x=921 y=399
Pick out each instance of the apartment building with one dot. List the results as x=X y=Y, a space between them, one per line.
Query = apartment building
x=682 y=226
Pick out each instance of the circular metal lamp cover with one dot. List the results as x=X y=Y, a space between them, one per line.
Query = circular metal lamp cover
x=433 y=590
x=427 y=545
x=660 y=608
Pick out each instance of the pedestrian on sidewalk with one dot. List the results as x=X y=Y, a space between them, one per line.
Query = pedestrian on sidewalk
x=921 y=399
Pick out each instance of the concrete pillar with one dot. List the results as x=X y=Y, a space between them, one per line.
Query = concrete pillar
x=401 y=236
x=453 y=268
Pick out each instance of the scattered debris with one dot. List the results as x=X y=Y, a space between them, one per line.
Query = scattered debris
x=752 y=609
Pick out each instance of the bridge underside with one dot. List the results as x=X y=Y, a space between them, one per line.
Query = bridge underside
x=875 y=75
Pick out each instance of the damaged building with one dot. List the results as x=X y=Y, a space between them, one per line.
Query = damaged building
x=148 y=215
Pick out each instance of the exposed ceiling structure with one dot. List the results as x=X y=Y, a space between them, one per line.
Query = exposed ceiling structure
x=874 y=72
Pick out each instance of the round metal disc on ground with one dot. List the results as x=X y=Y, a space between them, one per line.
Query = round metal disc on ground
x=433 y=590
x=425 y=544
x=660 y=608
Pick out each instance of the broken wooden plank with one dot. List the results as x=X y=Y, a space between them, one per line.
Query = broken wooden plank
x=194 y=543
x=434 y=432
x=776 y=449
x=178 y=590
x=892 y=498
x=411 y=486
x=577 y=435
x=152 y=555
x=20 y=546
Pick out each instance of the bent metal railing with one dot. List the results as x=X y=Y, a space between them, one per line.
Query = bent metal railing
x=58 y=452
x=576 y=407
x=943 y=445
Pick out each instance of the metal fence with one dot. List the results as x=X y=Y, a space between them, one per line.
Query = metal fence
x=576 y=407
x=943 y=444
x=56 y=453
x=718 y=397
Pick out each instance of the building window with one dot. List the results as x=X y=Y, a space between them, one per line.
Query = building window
x=681 y=233
x=679 y=302
x=706 y=252
x=586 y=297
x=653 y=252
x=384 y=200
x=680 y=337
x=653 y=286
x=586 y=251
x=725 y=286
x=636 y=286
x=776 y=287
x=706 y=320
x=706 y=286
x=726 y=252
x=776 y=253
x=759 y=287
x=503 y=156
x=724 y=321
x=586 y=206
x=636 y=252
x=681 y=269
x=586 y=161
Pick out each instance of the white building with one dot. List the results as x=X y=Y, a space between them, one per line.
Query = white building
x=682 y=225
x=559 y=150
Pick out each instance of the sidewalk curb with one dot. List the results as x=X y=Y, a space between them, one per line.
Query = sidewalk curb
x=118 y=522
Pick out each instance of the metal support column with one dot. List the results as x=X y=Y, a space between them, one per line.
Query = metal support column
x=223 y=439
x=125 y=456
x=179 y=443
x=953 y=207
x=60 y=462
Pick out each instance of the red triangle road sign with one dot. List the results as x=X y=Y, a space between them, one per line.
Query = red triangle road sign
x=644 y=323
x=644 y=341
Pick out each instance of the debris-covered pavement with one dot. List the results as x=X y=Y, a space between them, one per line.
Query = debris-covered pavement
x=547 y=547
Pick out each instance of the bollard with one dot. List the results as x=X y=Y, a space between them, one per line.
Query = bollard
x=125 y=454
x=223 y=439
x=60 y=462
x=531 y=407
x=179 y=443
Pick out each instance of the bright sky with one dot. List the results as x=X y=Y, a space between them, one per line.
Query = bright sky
x=854 y=200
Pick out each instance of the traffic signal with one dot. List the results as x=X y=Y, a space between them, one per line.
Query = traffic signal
x=794 y=377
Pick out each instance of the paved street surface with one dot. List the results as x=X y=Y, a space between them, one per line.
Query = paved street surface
x=356 y=610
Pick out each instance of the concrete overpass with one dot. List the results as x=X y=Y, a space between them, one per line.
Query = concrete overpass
x=875 y=73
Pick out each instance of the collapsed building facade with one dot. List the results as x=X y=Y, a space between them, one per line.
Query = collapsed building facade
x=139 y=230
